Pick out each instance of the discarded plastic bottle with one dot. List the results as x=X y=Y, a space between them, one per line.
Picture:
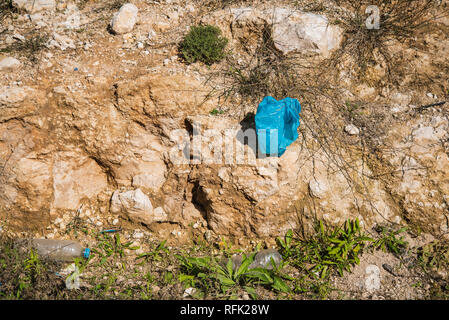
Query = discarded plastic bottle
x=263 y=259
x=60 y=250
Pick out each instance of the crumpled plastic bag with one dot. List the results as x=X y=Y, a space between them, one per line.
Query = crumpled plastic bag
x=73 y=280
x=277 y=123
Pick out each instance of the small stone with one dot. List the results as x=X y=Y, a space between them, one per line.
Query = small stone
x=138 y=235
x=9 y=40
x=134 y=203
x=352 y=130
x=151 y=34
x=208 y=236
x=115 y=221
x=318 y=188
x=62 y=42
x=155 y=289
x=139 y=45
x=18 y=37
x=159 y=214
x=188 y=292
x=125 y=19
x=9 y=63
x=372 y=280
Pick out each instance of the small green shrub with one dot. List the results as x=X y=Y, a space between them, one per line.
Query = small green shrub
x=328 y=250
x=203 y=43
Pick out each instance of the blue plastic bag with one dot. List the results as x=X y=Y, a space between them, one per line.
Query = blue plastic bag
x=276 y=124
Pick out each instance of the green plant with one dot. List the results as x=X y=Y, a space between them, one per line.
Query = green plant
x=111 y=247
x=330 y=250
x=214 y=112
x=388 y=240
x=203 y=43
x=434 y=256
x=154 y=255
x=285 y=244
x=208 y=272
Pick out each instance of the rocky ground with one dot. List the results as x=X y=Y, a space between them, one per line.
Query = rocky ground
x=92 y=93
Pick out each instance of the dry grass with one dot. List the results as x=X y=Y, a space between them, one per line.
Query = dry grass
x=30 y=48
x=401 y=22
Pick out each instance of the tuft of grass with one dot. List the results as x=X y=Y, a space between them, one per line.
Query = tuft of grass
x=203 y=43
x=110 y=247
x=329 y=250
x=207 y=275
x=6 y=8
x=433 y=259
x=401 y=21
x=434 y=256
x=154 y=255
x=25 y=275
x=30 y=48
x=267 y=72
x=389 y=240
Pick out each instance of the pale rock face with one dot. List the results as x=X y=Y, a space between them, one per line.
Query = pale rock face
x=35 y=5
x=9 y=63
x=297 y=31
x=13 y=95
x=126 y=127
x=135 y=204
x=425 y=135
x=33 y=177
x=152 y=180
x=125 y=19
x=159 y=214
x=75 y=177
x=421 y=182
x=293 y=30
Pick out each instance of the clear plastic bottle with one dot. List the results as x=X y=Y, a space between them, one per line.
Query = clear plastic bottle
x=263 y=259
x=59 y=250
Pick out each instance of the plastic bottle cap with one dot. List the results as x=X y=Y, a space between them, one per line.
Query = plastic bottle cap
x=86 y=253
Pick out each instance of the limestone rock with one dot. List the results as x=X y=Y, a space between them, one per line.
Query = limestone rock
x=304 y=32
x=34 y=5
x=9 y=63
x=159 y=214
x=75 y=177
x=135 y=204
x=13 y=95
x=125 y=19
x=62 y=42
x=352 y=130
x=318 y=188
